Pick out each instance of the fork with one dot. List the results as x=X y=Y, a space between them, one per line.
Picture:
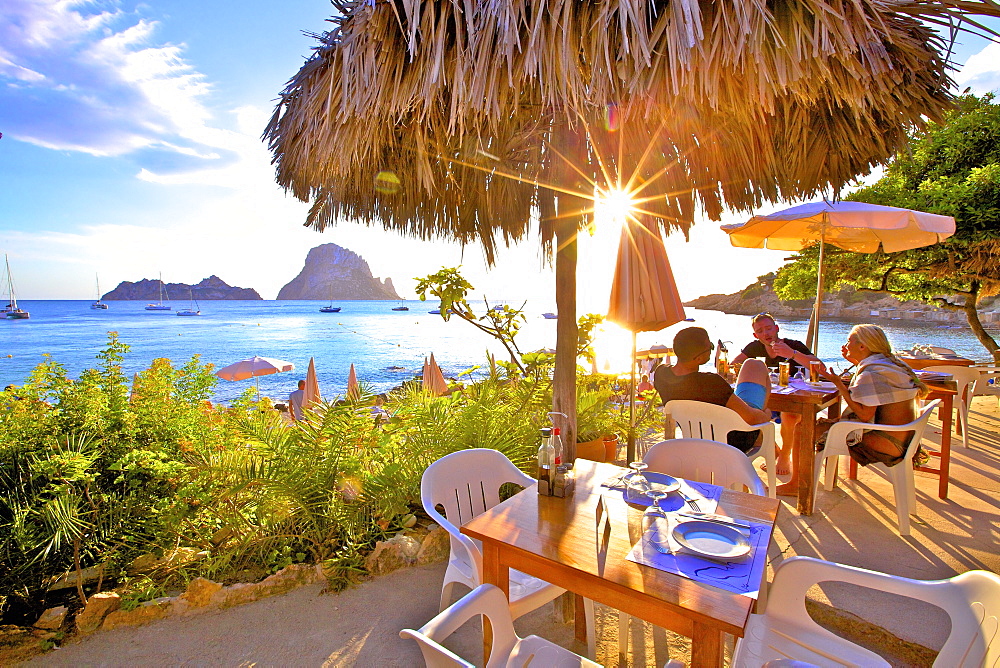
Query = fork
x=693 y=502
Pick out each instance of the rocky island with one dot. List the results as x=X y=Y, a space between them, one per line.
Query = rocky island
x=336 y=273
x=148 y=290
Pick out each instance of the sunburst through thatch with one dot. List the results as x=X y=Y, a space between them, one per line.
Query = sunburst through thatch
x=470 y=120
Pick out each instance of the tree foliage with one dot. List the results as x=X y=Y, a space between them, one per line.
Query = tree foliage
x=950 y=168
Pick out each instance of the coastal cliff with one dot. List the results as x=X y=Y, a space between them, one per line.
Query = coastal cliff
x=860 y=306
x=208 y=289
x=334 y=272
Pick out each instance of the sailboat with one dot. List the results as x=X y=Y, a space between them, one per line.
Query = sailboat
x=11 y=311
x=331 y=308
x=194 y=309
x=159 y=305
x=98 y=304
x=401 y=307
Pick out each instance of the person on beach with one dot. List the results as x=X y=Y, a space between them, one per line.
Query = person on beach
x=882 y=390
x=693 y=347
x=767 y=345
x=295 y=401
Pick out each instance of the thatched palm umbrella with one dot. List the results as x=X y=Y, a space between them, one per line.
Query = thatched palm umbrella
x=469 y=120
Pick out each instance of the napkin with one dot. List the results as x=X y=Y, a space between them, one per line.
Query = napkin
x=742 y=575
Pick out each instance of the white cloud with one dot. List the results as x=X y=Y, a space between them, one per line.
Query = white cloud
x=981 y=72
x=91 y=79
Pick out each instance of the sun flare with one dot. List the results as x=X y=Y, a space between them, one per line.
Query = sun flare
x=613 y=206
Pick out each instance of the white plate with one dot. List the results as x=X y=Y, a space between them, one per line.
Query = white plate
x=712 y=539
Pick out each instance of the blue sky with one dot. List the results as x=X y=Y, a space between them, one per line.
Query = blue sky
x=131 y=146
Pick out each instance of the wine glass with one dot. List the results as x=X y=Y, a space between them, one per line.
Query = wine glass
x=656 y=495
x=637 y=481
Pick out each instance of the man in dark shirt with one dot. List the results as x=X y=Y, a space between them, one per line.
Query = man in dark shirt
x=693 y=347
x=774 y=349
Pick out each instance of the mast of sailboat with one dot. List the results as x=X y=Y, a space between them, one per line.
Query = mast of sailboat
x=12 y=301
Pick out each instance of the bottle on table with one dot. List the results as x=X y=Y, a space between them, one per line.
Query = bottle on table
x=557 y=448
x=546 y=459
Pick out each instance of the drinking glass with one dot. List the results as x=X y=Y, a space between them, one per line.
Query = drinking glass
x=655 y=496
x=637 y=481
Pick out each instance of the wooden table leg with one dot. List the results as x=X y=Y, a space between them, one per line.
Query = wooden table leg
x=706 y=647
x=494 y=574
x=805 y=457
x=945 y=413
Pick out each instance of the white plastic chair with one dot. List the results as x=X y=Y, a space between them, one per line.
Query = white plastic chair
x=966 y=378
x=705 y=461
x=507 y=650
x=698 y=419
x=700 y=460
x=983 y=386
x=786 y=631
x=466 y=484
x=901 y=475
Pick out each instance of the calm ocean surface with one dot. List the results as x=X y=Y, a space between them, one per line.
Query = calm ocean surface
x=366 y=333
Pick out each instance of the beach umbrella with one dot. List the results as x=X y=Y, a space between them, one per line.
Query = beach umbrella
x=434 y=381
x=254 y=367
x=311 y=396
x=353 y=389
x=644 y=295
x=469 y=120
x=854 y=226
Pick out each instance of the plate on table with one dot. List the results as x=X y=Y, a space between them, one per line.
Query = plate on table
x=712 y=539
x=662 y=481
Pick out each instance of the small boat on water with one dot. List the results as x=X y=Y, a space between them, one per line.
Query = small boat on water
x=331 y=308
x=401 y=307
x=159 y=305
x=550 y=316
x=11 y=311
x=98 y=304
x=194 y=308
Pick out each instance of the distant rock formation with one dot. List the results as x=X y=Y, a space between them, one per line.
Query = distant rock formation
x=148 y=290
x=858 y=306
x=333 y=272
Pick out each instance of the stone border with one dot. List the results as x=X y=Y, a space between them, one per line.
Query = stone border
x=410 y=547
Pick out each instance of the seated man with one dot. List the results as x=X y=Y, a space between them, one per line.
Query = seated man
x=773 y=349
x=693 y=347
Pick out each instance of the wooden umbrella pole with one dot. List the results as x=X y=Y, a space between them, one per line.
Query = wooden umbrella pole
x=812 y=336
x=631 y=409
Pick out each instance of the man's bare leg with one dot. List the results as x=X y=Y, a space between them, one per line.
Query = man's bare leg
x=789 y=430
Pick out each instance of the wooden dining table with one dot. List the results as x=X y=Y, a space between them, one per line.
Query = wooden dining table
x=580 y=543
x=807 y=403
x=936 y=360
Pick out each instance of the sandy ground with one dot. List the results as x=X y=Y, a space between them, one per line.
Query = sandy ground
x=854 y=524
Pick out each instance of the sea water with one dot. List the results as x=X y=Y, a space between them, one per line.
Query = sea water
x=386 y=347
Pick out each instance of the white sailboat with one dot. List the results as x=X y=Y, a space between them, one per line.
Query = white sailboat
x=331 y=308
x=159 y=305
x=11 y=311
x=194 y=309
x=98 y=304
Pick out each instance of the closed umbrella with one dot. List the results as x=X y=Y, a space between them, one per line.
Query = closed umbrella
x=312 y=395
x=853 y=226
x=254 y=367
x=353 y=388
x=644 y=295
x=434 y=381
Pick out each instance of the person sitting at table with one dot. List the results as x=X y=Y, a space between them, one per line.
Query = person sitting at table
x=643 y=386
x=882 y=390
x=693 y=347
x=767 y=345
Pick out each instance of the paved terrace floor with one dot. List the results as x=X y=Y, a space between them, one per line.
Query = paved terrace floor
x=854 y=524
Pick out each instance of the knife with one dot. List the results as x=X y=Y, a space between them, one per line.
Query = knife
x=718 y=519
